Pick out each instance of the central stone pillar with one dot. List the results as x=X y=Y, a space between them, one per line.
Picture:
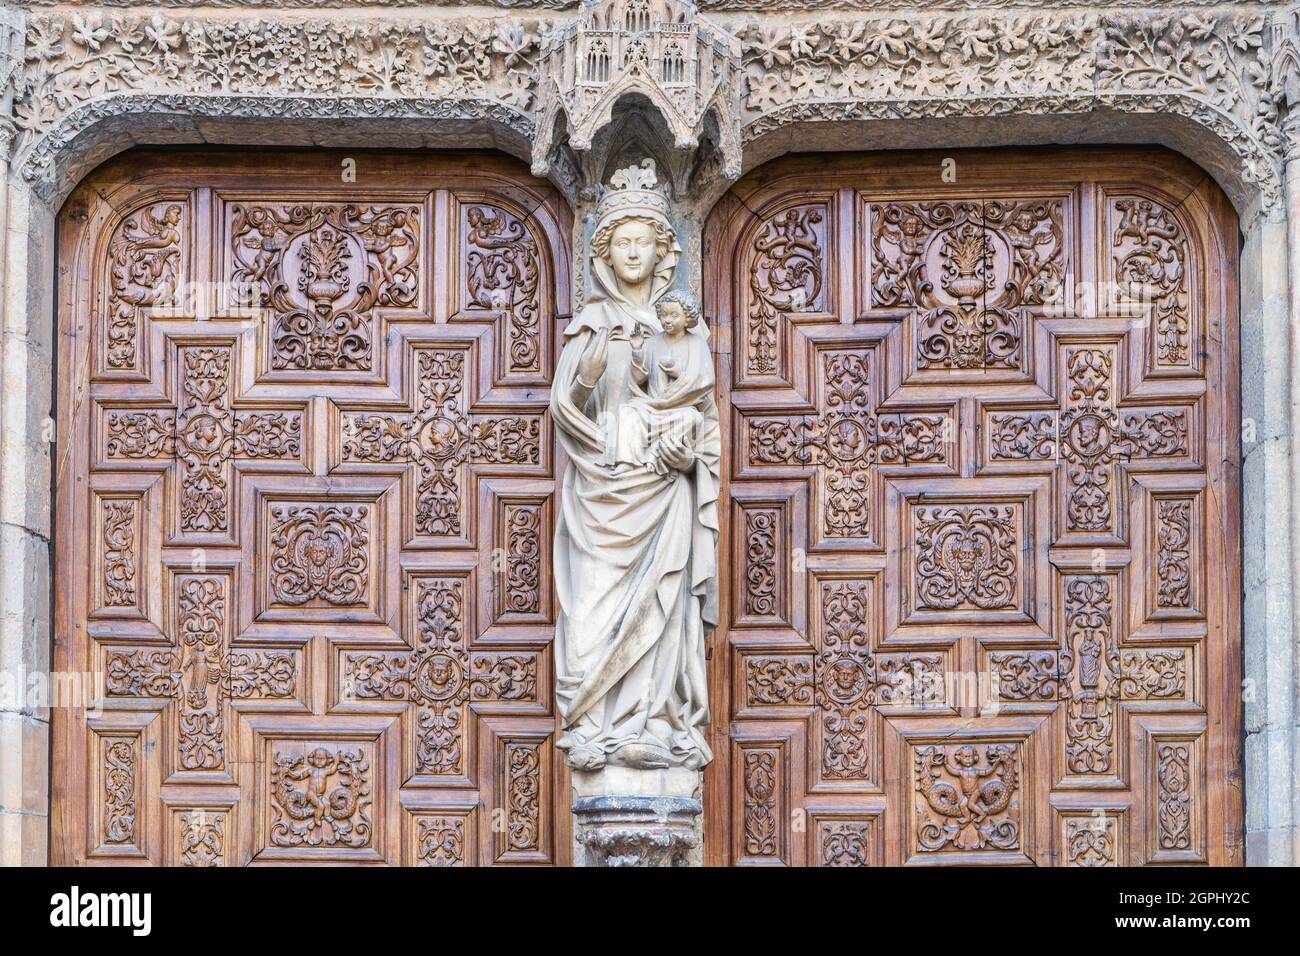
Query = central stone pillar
x=629 y=817
x=638 y=125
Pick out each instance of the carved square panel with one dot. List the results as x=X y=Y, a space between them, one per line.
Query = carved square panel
x=323 y=551
x=1091 y=836
x=973 y=553
x=320 y=274
x=845 y=838
x=202 y=834
x=970 y=274
x=972 y=794
x=442 y=836
x=320 y=554
x=323 y=791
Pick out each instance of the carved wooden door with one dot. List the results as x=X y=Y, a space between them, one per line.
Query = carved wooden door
x=982 y=507
x=305 y=506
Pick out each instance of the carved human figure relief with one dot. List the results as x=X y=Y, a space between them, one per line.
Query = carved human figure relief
x=636 y=539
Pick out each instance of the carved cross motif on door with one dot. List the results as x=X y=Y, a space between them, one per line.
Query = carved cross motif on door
x=1094 y=434
x=1093 y=674
x=442 y=676
x=443 y=440
x=845 y=442
x=846 y=681
x=201 y=673
x=204 y=436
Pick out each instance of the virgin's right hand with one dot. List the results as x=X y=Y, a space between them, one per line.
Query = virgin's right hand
x=592 y=364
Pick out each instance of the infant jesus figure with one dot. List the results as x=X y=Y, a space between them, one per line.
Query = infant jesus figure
x=675 y=371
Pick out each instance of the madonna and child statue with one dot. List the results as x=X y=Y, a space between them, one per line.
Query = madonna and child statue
x=636 y=569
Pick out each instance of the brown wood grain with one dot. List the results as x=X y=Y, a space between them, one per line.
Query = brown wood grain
x=309 y=544
x=1078 y=534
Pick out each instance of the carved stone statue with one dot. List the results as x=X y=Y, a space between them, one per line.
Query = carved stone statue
x=636 y=538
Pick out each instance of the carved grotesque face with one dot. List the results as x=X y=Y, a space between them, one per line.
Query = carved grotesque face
x=966 y=555
x=632 y=251
x=673 y=318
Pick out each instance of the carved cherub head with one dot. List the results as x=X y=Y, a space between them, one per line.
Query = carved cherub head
x=678 y=312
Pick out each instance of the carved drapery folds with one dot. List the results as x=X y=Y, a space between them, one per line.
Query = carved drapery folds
x=1229 y=71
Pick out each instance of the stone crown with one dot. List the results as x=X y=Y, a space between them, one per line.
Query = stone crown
x=634 y=189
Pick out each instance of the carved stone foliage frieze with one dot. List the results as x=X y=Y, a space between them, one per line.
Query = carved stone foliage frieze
x=733 y=71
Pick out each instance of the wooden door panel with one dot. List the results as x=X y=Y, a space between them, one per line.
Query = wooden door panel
x=983 y=513
x=305 y=502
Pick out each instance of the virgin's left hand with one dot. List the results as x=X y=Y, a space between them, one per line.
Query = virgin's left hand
x=677 y=453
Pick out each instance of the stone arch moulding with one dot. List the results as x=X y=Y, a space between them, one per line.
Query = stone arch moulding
x=1211 y=80
x=1216 y=81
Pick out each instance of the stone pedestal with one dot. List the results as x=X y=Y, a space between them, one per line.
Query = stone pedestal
x=625 y=817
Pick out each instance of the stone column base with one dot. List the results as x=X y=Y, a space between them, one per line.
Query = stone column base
x=625 y=817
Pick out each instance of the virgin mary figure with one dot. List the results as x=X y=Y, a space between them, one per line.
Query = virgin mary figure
x=635 y=547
